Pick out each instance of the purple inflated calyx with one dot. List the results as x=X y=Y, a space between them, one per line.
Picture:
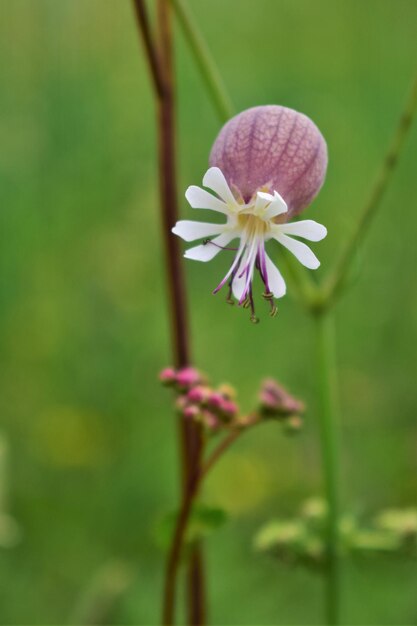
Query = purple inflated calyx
x=272 y=148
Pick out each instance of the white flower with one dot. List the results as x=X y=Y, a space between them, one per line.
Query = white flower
x=253 y=224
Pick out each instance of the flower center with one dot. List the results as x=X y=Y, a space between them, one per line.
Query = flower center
x=253 y=225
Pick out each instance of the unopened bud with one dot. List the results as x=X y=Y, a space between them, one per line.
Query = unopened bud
x=198 y=394
x=167 y=376
x=229 y=407
x=215 y=400
x=276 y=401
x=191 y=412
x=188 y=376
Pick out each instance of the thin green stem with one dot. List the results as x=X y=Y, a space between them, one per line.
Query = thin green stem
x=335 y=281
x=205 y=62
x=329 y=443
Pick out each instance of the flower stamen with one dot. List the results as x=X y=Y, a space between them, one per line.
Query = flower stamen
x=207 y=241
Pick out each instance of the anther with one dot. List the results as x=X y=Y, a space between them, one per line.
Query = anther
x=268 y=295
x=273 y=311
x=254 y=319
x=246 y=303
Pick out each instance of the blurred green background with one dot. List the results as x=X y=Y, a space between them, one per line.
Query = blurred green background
x=92 y=460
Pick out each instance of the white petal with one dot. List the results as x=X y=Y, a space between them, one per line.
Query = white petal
x=275 y=280
x=208 y=251
x=277 y=207
x=189 y=231
x=238 y=284
x=262 y=200
x=300 y=251
x=233 y=266
x=215 y=180
x=202 y=199
x=308 y=229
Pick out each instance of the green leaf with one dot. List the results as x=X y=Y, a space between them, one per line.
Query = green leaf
x=203 y=521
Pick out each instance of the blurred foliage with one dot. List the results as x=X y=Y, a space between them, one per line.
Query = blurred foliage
x=83 y=324
x=302 y=540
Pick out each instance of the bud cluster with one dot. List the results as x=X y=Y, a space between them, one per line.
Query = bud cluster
x=198 y=401
x=216 y=408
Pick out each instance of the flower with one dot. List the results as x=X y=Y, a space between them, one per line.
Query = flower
x=268 y=163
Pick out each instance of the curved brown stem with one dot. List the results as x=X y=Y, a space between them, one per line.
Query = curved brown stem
x=175 y=554
x=160 y=60
x=151 y=52
x=190 y=495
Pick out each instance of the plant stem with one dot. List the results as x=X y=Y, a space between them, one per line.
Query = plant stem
x=189 y=497
x=206 y=64
x=333 y=284
x=151 y=52
x=196 y=605
x=329 y=443
x=176 y=284
x=174 y=557
x=160 y=60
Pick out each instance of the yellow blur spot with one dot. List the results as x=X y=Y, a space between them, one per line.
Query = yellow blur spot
x=67 y=437
x=240 y=483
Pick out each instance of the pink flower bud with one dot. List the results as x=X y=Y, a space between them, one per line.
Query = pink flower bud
x=191 y=411
x=188 y=376
x=272 y=148
x=167 y=376
x=229 y=407
x=198 y=394
x=275 y=399
x=215 y=400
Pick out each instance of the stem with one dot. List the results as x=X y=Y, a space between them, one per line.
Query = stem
x=189 y=497
x=168 y=193
x=329 y=442
x=174 y=557
x=219 y=451
x=195 y=577
x=205 y=62
x=176 y=282
x=175 y=554
x=161 y=64
x=150 y=50
x=333 y=284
